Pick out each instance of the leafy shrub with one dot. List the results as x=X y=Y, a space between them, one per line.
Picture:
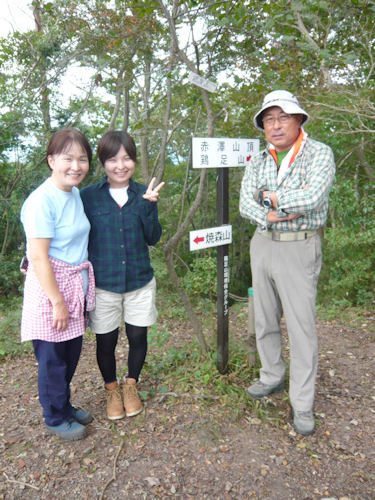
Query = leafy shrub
x=159 y=266
x=11 y=279
x=10 y=321
x=347 y=277
x=201 y=281
x=348 y=271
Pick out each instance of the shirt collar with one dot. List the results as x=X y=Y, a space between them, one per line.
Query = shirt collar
x=299 y=143
x=104 y=183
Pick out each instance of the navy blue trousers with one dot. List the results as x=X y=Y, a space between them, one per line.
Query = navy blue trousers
x=57 y=362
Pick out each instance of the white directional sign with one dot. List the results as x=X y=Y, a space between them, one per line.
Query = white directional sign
x=211 y=237
x=214 y=152
x=202 y=82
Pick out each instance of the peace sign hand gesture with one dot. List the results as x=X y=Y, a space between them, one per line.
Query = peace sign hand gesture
x=152 y=193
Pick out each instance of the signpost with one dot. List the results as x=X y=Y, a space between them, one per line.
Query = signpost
x=211 y=237
x=202 y=82
x=222 y=259
x=216 y=152
x=220 y=153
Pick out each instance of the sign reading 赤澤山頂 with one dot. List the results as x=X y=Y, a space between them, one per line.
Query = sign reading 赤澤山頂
x=215 y=152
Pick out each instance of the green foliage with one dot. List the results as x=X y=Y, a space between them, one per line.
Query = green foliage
x=10 y=321
x=11 y=279
x=347 y=277
x=182 y=368
x=200 y=281
x=178 y=367
x=352 y=206
x=349 y=262
x=160 y=269
x=323 y=51
x=357 y=317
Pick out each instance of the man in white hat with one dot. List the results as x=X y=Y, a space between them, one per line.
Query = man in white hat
x=285 y=193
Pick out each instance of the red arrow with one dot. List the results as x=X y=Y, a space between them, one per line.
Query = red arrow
x=198 y=240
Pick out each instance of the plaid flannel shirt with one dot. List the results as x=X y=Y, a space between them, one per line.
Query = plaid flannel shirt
x=313 y=167
x=37 y=311
x=119 y=237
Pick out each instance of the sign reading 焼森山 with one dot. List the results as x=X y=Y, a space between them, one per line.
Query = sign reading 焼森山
x=219 y=152
x=210 y=237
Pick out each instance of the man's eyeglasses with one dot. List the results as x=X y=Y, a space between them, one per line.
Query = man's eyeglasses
x=269 y=121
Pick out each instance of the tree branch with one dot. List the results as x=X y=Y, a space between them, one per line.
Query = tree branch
x=113 y=478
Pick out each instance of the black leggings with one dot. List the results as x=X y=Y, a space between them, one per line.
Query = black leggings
x=105 y=352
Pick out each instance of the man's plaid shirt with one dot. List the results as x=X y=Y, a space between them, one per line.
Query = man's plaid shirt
x=119 y=237
x=313 y=167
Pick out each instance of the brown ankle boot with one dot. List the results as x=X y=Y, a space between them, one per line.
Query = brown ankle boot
x=132 y=402
x=115 y=406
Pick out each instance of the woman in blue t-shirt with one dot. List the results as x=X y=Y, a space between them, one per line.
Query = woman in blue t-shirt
x=59 y=280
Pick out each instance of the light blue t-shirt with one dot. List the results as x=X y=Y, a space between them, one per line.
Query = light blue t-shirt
x=52 y=213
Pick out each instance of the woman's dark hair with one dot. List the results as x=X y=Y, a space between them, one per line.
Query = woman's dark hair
x=111 y=142
x=63 y=139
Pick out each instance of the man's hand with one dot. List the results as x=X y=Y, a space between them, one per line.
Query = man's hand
x=273 y=198
x=272 y=217
x=152 y=193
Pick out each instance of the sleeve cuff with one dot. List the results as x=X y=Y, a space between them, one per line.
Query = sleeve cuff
x=281 y=213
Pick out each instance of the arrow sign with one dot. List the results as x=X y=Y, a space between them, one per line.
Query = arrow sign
x=211 y=237
x=198 y=239
x=201 y=82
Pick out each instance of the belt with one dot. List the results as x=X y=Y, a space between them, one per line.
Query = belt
x=289 y=235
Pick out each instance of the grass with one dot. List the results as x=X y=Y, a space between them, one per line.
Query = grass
x=10 y=322
x=356 y=317
x=182 y=369
x=178 y=366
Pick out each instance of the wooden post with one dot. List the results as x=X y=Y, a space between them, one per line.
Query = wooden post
x=222 y=271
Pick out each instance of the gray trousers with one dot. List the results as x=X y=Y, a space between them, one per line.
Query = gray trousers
x=285 y=277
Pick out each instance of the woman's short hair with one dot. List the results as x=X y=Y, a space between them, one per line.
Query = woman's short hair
x=64 y=138
x=111 y=142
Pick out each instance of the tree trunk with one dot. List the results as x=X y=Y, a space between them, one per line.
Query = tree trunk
x=44 y=90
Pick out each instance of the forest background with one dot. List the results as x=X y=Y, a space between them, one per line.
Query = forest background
x=130 y=62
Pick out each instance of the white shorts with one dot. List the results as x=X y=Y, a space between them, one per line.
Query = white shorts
x=136 y=308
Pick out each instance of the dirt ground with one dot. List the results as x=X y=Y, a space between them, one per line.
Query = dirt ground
x=179 y=449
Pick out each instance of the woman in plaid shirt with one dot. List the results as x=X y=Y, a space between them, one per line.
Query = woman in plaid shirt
x=124 y=222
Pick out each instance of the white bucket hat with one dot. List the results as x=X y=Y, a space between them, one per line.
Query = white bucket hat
x=286 y=101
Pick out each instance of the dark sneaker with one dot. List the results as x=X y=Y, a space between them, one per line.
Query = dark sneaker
x=70 y=430
x=82 y=416
x=259 y=390
x=303 y=422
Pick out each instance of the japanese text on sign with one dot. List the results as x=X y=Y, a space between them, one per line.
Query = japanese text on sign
x=226 y=284
x=211 y=237
x=212 y=152
x=202 y=82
